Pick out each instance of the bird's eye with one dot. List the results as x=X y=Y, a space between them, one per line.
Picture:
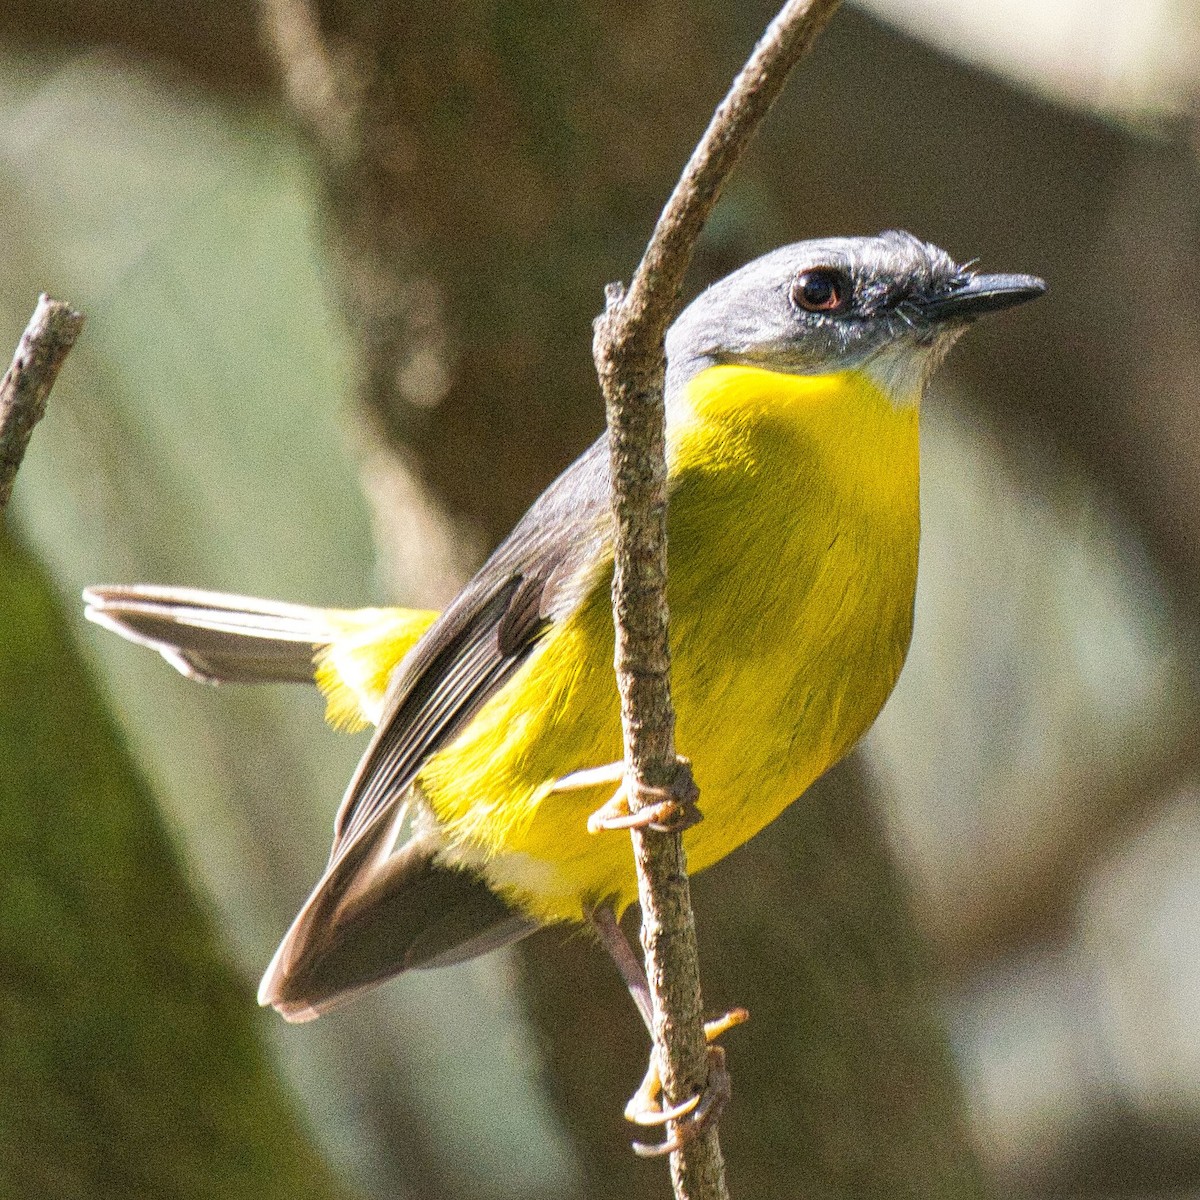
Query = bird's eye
x=821 y=290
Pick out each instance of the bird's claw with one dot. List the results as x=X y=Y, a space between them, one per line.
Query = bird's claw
x=691 y=1116
x=670 y=809
x=644 y=1109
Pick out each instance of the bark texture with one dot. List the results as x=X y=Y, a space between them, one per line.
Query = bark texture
x=43 y=348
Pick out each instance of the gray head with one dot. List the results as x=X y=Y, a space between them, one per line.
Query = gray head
x=890 y=305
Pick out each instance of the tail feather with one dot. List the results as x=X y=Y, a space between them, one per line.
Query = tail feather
x=214 y=637
x=219 y=638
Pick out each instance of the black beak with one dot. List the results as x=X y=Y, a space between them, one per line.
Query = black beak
x=981 y=294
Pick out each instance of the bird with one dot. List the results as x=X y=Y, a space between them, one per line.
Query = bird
x=484 y=804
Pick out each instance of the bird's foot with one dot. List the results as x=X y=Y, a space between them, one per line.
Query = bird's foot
x=692 y=1116
x=670 y=809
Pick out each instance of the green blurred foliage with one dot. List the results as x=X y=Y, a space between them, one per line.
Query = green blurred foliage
x=196 y=437
x=131 y=1062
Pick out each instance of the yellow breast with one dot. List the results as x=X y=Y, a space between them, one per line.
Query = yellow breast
x=792 y=531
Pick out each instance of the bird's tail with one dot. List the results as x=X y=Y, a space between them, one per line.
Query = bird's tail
x=220 y=638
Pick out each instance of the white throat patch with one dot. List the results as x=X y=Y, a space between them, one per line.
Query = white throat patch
x=902 y=367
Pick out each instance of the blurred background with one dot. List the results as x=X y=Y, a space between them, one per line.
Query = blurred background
x=339 y=262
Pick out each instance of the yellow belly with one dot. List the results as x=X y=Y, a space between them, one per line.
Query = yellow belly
x=792 y=532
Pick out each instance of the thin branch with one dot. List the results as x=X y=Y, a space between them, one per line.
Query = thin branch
x=630 y=361
x=44 y=345
x=649 y=306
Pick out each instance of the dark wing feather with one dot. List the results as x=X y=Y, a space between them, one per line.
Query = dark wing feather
x=411 y=912
x=537 y=574
x=377 y=911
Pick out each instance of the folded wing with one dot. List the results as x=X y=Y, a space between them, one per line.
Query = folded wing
x=336 y=944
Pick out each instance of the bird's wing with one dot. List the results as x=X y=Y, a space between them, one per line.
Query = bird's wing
x=372 y=913
x=536 y=576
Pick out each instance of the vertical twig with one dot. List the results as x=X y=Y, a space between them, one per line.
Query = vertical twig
x=630 y=361
x=44 y=345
